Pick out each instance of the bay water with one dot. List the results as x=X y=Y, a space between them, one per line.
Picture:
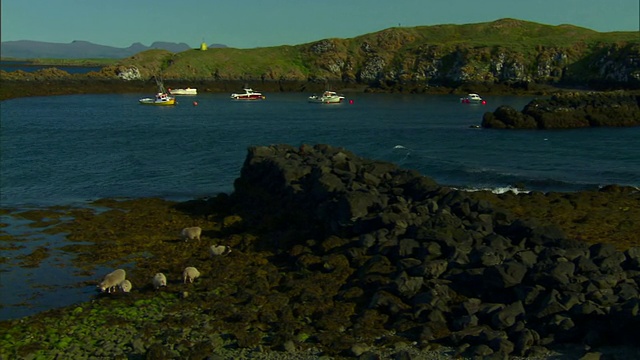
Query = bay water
x=68 y=150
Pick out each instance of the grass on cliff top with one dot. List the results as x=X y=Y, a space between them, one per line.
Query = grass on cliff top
x=512 y=32
x=513 y=35
x=240 y=61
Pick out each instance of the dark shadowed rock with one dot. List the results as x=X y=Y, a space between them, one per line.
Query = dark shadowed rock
x=437 y=264
x=569 y=110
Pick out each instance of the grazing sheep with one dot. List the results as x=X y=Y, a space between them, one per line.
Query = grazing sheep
x=125 y=286
x=159 y=280
x=111 y=280
x=191 y=233
x=190 y=273
x=216 y=250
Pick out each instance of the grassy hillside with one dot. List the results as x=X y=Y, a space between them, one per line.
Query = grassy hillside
x=396 y=48
x=502 y=51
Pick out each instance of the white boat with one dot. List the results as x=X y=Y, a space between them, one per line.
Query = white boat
x=248 y=94
x=327 y=97
x=473 y=99
x=187 y=91
x=160 y=99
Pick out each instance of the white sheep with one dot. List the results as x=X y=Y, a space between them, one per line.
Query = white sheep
x=190 y=273
x=216 y=250
x=191 y=233
x=125 y=286
x=159 y=280
x=111 y=280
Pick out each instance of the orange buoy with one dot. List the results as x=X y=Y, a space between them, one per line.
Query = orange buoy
x=195 y=103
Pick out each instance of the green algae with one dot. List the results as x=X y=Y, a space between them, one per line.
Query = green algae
x=34 y=258
x=247 y=299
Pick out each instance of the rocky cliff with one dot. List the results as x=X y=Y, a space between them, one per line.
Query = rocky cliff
x=504 y=51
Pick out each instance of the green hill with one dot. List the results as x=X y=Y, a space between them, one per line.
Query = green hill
x=506 y=51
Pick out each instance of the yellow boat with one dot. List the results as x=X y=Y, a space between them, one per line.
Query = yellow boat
x=160 y=99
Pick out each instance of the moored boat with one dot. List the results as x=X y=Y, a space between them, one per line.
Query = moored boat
x=473 y=99
x=187 y=91
x=327 y=97
x=248 y=94
x=161 y=98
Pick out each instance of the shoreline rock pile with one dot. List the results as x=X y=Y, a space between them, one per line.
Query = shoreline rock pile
x=336 y=256
x=433 y=264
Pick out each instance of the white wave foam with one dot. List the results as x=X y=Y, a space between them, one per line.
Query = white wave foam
x=498 y=190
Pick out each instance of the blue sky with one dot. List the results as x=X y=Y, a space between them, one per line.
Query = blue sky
x=262 y=23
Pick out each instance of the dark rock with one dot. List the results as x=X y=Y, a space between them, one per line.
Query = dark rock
x=432 y=269
x=633 y=258
x=408 y=286
x=506 y=117
x=585 y=265
x=523 y=341
x=388 y=302
x=406 y=247
x=569 y=110
x=431 y=260
x=506 y=275
x=507 y=316
x=464 y=321
x=601 y=250
x=551 y=304
x=527 y=258
x=611 y=264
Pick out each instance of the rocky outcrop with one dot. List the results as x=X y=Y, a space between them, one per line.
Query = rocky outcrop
x=128 y=73
x=432 y=264
x=395 y=57
x=435 y=64
x=569 y=110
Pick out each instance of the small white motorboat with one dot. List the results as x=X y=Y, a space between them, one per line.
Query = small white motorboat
x=187 y=91
x=248 y=94
x=327 y=97
x=473 y=99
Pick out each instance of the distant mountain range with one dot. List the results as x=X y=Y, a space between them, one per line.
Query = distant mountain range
x=27 y=49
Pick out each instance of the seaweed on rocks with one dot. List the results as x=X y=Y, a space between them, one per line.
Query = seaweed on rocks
x=342 y=256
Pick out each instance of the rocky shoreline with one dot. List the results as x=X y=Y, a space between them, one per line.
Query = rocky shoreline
x=337 y=256
x=57 y=82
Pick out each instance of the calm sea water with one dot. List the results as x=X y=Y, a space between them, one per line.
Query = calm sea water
x=66 y=150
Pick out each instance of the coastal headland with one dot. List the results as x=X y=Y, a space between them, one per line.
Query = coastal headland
x=338 y=256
